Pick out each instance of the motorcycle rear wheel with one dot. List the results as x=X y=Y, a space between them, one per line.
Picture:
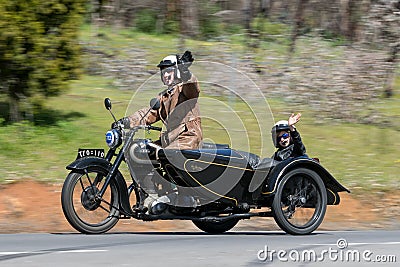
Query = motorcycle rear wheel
x=216 y=227
x=300 y=202
x=83 y=211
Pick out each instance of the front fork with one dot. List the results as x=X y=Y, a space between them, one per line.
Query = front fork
x=111 y=174
x=124 y=192
x=120 y=157
x=109 y=156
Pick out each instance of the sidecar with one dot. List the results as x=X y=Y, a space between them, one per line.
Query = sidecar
x=297 y=190
x=238 y=176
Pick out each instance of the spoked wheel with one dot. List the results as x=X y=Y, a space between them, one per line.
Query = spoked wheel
x=216 y=227
x=300 y=201
x=83 y=209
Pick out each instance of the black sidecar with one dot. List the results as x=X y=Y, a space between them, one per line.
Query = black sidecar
x=297 y=190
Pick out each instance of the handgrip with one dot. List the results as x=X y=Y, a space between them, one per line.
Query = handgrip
x=154 y=128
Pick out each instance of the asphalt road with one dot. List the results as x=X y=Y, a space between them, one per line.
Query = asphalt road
x=348 y=248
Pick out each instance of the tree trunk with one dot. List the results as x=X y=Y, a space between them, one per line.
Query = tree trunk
x=247 y=14
x=344 y=22
x=354 y=20
x=348 y=19
x=298 y=23
x=117 y=13
x=365 y=9
x=15 y=115
x=393 y=59
x=266 y=6
x=189 y=18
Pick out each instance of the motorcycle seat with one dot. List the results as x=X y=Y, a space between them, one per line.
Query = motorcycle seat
x=206 y=145
x=253 y=160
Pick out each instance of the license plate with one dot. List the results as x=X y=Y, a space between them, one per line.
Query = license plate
x=90 y=152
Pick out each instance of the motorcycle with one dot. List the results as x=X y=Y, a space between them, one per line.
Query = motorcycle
x=214 y=186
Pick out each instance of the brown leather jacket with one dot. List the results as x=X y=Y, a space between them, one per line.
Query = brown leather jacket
x=180 y=113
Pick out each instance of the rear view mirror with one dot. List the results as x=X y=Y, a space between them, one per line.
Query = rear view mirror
x=154 y=104
x=107 y=103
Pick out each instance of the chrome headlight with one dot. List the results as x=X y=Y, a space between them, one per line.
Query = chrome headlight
x=113 y=138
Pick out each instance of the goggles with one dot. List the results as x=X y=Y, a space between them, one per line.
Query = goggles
x=167 y=70
x=284 y=136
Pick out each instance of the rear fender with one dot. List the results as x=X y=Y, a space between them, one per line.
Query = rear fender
x=81 y=164
x=331 y=184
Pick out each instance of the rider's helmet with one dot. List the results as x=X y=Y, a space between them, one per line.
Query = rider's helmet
x=168 y=62
x=279 y=126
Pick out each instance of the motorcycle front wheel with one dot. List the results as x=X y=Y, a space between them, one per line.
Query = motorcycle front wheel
x=82 y=208
x=300 y=202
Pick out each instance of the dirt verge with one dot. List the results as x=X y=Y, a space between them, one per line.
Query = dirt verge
x=30 y=206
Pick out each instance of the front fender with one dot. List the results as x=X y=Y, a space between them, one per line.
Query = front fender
x=331 y=184
x=81 y=164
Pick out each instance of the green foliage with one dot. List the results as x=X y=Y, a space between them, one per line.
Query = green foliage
x=210 y=26
x=170 y=26
x=233 y=28
x=146 y=21
x=267 y=30
x=335 y=38
x=39 y=51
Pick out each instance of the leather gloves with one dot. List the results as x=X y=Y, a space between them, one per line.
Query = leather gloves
x=124 y=121
x=184 y=62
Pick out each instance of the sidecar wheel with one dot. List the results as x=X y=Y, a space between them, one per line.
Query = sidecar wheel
x=300 y=201
x=85 y=213
x=216 y=227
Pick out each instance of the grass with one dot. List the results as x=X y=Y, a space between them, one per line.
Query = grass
x=364 y=157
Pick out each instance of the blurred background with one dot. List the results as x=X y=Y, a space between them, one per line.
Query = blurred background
x=336 y=62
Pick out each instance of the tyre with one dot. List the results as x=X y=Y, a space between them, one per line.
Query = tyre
x=216 y=227
x=82 y=209
x=300 y=202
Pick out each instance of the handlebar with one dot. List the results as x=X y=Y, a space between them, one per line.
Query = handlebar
x=150 y=127
x=146 y=127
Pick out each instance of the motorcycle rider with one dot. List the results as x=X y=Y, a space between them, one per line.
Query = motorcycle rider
x=287 y=139
x=179 y=111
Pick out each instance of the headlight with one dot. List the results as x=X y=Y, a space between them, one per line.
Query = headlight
x=113 y=138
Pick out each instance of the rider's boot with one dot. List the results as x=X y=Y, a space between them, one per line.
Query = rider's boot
x=153 y=202
x=159 y=205
x=150 y=198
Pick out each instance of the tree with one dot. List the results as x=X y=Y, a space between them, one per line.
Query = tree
x=383 y=25
x=298 y=23
x=39 y=51
x=266 y=6
x=189 y=20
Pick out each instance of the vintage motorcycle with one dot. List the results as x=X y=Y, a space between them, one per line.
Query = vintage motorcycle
x=223 y=185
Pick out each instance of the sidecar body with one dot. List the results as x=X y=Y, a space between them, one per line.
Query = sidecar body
x=235 y=177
